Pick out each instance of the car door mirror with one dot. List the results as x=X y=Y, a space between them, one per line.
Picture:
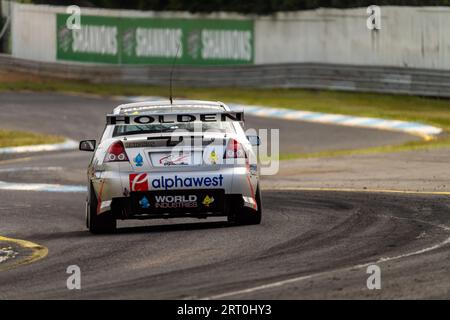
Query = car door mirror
x=254 y=140
x=87 y=145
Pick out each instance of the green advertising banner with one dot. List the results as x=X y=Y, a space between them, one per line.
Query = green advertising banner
x=124 y=40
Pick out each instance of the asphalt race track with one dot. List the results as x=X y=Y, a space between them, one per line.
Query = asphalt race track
x=310 y=244
x=84 y=117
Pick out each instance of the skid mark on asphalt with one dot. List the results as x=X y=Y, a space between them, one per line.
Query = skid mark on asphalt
x=281 y=283
x=326 y=273
x=37 y=252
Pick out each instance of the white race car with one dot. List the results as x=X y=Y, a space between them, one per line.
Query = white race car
x=163 y=160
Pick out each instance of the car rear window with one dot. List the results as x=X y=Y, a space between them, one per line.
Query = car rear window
x=123 y=130
x=222 y=127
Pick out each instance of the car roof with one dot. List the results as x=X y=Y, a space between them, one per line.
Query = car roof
x=163 y=105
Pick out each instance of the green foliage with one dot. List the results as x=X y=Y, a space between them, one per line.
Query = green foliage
x=247 y=6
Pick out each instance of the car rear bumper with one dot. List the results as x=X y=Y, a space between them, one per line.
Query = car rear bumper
x=112 y=187
x=124 y=208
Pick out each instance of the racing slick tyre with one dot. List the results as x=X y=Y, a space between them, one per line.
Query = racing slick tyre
x=97 y=224
x=246 y=216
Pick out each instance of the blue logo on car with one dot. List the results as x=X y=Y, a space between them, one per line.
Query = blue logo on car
x=139 y=160
x=144 y=203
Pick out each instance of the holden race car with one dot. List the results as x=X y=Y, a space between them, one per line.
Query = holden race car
x=177 y=159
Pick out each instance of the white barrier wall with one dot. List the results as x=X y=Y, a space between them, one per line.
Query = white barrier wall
x=410 y=37
x=414 y=37
x=33 y=32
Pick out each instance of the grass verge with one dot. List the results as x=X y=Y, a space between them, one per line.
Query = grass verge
x=400 y=107
x=10 y=138
x=408 y=146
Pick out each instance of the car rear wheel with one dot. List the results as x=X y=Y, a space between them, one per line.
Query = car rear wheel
x=104 y=223
x=246 y=216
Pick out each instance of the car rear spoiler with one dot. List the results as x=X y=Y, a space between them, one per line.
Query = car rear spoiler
x=119 y=119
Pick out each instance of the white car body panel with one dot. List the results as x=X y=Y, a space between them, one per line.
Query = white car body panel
x=113 y=180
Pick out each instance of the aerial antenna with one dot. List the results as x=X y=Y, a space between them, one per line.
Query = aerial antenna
x=171 y=73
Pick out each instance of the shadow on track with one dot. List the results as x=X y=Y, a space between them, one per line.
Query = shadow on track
x=172 y=227
x=134 y=230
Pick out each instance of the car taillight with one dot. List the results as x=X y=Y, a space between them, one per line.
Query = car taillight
x=234 y=150
x=116 y=153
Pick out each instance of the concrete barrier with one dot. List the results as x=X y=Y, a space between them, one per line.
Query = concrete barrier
x=317 y=49
x=424 y=82
x=411 y=37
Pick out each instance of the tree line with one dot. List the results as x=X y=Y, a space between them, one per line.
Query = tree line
x=241 y=6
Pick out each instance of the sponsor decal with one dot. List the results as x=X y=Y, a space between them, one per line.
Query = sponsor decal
x=139 y=182
x=177 y=201
x=253 y=169
x=139 y=40
x=95 y=39
x=112 y=119
x=138 y=160
x=144 y=203
x=188 y=182
x=227 y=44
x=175 y=160
x=208 y=201
x=213 y=157
x=158 y=42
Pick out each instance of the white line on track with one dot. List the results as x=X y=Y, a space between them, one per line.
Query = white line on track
x=66 y=145
x=326 y=273
x=281 y=283
x=45 y=187
x=354 y=190
x=21 y=169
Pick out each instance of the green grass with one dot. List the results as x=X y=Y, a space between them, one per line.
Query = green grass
x=400 y=107
x=408 y=146
x=432 y=111
x=20 y=138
